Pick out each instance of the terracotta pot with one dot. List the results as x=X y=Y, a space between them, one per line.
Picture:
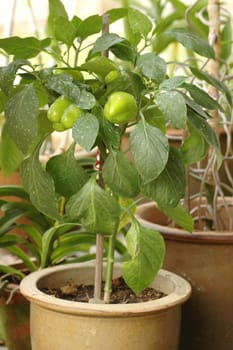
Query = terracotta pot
x=205 y=259
x=15 y=320
x=60 y=324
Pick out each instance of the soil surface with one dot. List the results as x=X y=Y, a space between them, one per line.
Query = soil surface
x=121 y=293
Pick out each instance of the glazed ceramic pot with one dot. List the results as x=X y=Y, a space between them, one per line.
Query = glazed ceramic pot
x=58 y=324
x=205 y=259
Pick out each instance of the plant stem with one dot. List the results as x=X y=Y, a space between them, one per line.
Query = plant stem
x=109 y=272
x=98 y=267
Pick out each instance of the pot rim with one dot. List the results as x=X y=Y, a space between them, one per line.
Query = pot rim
x=28 y=287
x=179 y=234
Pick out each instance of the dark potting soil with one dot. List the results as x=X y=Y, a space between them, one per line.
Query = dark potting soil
x=121 y=293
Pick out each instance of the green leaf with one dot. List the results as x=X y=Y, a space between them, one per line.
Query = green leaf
x=71 y=243
x=23 y=47
x=173 y=106
x=95 y=209
x=180 y=216
x=116 y=13
x=172 y=83
x=124 y=50
x=194 y=148
x=85 y=131
x=203 y=128
x=11 y=271
x=48 y=239
x=39 y=185
x=63 y=85
x=91 y=25
x=8 y=164
x=59 y=25
x=152 y=66
x=226 y=39
x=150 y=150
x=201 y=97
x=147 y=250
x=213 y=81
x=169 y=187
x=12 y=190
x=68 y=175
x=108 y=131
x=17 y=251
x=99 y=65
x=106 y=41
x=120 y=175
x=22 y=118
x=138 y=22
x=192 y=42
x=7 y=74
x=196 y=107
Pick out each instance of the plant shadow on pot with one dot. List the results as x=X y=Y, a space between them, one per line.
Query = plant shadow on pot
x=68 y=324
x=205 y=259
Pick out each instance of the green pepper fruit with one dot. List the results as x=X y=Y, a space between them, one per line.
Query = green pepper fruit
x=120 y=108
x=63 y=113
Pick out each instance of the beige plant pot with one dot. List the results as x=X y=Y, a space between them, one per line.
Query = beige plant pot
x=58 y=324
x=205 y=259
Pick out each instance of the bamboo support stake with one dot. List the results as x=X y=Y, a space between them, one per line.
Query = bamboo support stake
x=99 y=237
x=214 y=41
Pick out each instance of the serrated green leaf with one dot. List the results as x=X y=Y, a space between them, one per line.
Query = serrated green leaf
x=85 y=131
x=147 y=250
x=22 y=118
x=120 y=175
x=39 y=185
x=180 y=216
x=169 y=187
x=152 y=66
x=192 y=42
x=68 y=175
x=173 y=106
x=150 y=150
x=95 y=209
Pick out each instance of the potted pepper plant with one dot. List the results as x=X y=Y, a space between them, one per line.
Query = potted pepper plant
x=99 y=90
